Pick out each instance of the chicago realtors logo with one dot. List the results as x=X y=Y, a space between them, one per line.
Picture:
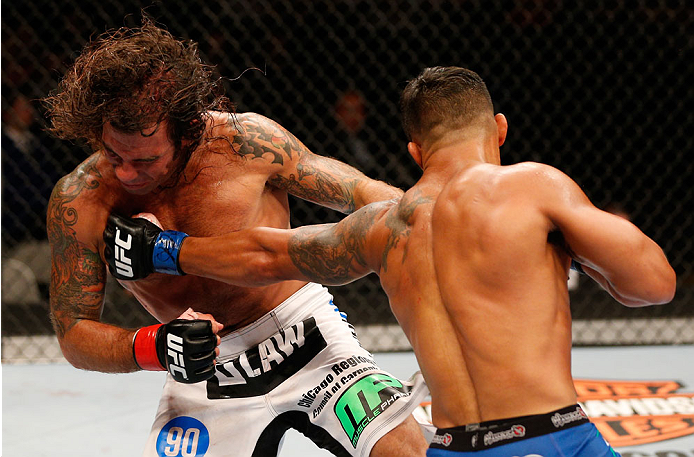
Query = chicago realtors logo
x=630 y=413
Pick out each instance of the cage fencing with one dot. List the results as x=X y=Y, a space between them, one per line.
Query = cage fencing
x=599 y=90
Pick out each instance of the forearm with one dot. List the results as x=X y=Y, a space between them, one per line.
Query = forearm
x=261 y=256
x=95 y=346
x=249 y=258
x=648 y=280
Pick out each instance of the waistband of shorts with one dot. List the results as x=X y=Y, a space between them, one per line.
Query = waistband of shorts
x=295 y=308
x=485 y=435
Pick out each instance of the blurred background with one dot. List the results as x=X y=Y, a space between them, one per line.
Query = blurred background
x=601 y=90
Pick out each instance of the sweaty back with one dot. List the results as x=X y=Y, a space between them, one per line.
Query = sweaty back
x=504 y=290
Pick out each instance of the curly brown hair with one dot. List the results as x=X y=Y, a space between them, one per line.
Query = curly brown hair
x=134 y=78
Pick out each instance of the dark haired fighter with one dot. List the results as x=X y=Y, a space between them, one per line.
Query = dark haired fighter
x=167 y=142
x=474 y=259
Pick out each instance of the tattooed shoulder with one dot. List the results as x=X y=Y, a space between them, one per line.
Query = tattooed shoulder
x=263 y=138
x=399 y=221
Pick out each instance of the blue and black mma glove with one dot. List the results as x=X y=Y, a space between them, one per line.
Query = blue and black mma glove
x=135 y=248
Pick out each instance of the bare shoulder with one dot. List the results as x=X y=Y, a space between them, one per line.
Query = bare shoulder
x=533 y=174
x=486 y=190
x=530 y=182
x=543 y=186
x=79 y=202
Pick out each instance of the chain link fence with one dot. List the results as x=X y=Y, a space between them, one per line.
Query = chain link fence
x=599 y=90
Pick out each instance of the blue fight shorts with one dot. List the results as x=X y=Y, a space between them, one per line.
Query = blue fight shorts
x=566 y=432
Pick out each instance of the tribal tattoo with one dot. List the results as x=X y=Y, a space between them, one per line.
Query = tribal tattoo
x=318 y=179
x=78 y=275
x=260 y=139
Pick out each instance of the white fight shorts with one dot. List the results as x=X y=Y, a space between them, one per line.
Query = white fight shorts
x=300 y=366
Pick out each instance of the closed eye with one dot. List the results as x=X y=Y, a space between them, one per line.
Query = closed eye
x=147 y=160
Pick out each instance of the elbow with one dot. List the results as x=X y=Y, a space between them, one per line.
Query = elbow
x=658 y=281
x=658 y=290
x=71 y=356
x=662 y=284
x=665 y=290
x=69 y=350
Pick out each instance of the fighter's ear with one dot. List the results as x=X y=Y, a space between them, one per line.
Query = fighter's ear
x=416 y=152
x=502 y=127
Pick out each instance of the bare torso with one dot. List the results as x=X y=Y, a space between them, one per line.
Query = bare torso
x=504 y=286
x=408 y=276
x=220 y=192
x=482 y=298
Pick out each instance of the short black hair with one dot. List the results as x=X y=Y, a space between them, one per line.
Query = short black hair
x=451 y=97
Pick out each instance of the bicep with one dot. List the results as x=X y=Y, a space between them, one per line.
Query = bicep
x=78 y=275
x=321 y=180
x=593 y=235
x=291 y=166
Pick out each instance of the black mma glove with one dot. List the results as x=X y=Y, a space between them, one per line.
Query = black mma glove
x=136 y=247
x=185 y=348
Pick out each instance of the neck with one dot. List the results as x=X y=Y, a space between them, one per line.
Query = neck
x=450 y=155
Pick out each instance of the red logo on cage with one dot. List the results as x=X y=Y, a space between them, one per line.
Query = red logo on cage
x=629 y=413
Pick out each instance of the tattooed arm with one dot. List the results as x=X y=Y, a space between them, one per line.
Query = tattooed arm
x=303 y=174
x=78 y=277
x=331 y=254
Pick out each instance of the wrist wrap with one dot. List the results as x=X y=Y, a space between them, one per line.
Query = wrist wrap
x=145 y=348
x=167 y=246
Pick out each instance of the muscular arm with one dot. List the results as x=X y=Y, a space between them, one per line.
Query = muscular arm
x=627 y=263
x=331 y=254
x=303 y=174
x=78 y=277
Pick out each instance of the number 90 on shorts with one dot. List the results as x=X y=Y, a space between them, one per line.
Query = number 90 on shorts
x=183 y=436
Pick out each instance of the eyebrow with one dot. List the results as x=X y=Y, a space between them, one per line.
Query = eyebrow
x=142 y=159
x=109 y=149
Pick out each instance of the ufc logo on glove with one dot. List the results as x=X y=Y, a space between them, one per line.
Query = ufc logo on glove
x=174 y=345
x=120 y=248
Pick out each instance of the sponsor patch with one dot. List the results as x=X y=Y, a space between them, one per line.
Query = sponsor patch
x=183 y=436
x=318 y=397
x=446 y=439
x=366 y=399
x=517 y=431
x=560 y=420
